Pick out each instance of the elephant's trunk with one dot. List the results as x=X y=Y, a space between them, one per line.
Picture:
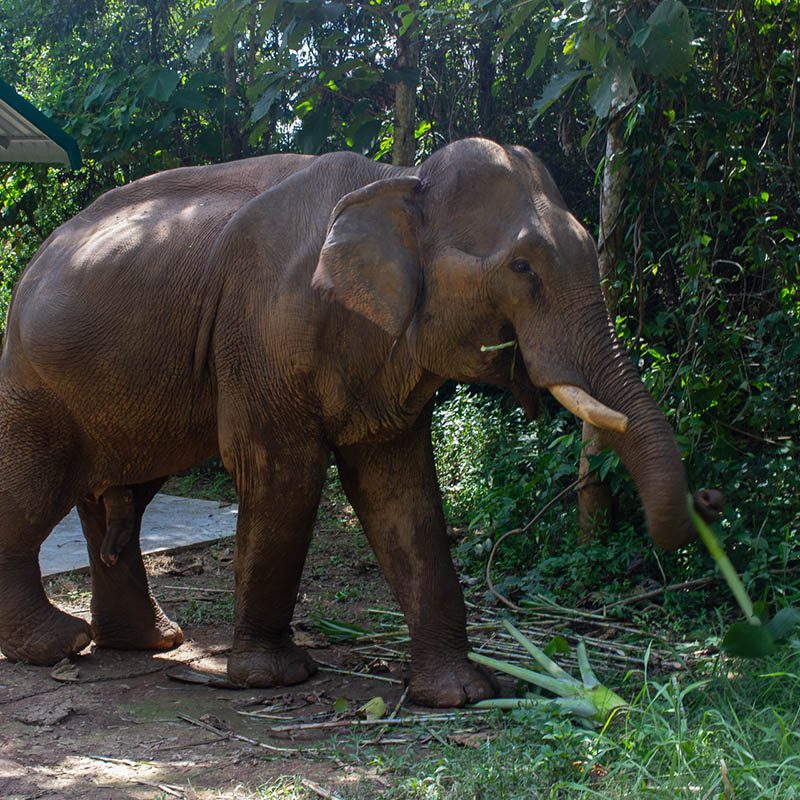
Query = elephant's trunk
x=647 y=447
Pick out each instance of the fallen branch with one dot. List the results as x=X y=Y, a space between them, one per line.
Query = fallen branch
x=124 y=761
x=673 y=587
x=331 y=668
x=419 y=719
x=198 y=589
x=232 y=735
x=166 y=788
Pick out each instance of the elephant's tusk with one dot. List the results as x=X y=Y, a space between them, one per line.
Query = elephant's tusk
x=583 y=405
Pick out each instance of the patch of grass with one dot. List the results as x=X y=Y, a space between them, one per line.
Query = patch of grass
x=733 y=734
x=205 y=611
x=207 y=481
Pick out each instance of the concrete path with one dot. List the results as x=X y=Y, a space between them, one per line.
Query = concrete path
x=168 y=522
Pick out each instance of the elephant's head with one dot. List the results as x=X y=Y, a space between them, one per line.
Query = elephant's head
x=477 y=248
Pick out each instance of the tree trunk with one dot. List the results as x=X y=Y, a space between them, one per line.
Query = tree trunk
x=405 y=96
x=231 y=130
x=595 y=502
x=486 y=76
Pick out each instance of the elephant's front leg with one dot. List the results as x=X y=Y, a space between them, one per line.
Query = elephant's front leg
x=279 y=486
x=394 y=491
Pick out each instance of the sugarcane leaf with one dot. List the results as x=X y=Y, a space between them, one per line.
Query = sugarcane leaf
x=587 y=673
x=563 y=688
x=546 y=663
x=606 y=702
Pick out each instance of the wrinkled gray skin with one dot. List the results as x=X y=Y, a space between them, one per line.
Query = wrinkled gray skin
x=278 y=310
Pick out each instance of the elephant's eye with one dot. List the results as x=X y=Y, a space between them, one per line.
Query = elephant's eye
x=520 y=265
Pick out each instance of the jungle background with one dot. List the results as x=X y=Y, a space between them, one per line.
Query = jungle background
x=671 y=130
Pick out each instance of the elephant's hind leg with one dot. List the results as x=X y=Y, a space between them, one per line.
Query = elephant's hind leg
x=36 y=476
x=125 y=615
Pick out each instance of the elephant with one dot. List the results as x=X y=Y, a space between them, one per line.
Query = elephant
x=280 y=311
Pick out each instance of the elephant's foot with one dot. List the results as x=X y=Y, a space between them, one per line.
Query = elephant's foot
x=281 y=664
x=450 y=684
x=48 y=636
x=157 y=632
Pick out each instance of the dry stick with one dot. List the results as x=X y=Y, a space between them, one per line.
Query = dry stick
x=197 y=589
x=232 y=735
x=124 y=761
x=330 y=668
x=320 y=790
x=357 y=723
x=693 y=584
x=502 y=598
x=187 y=745
x=173 y=791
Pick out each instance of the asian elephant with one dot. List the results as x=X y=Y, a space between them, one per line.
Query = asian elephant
x=277 y=310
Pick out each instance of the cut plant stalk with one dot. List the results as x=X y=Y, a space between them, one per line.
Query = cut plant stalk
x=586 y=698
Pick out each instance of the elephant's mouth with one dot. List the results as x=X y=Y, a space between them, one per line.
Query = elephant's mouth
x=587 y=408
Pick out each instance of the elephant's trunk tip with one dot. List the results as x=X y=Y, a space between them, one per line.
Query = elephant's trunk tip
x=709 y=504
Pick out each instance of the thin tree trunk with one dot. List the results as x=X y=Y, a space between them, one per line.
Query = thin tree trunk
x=486 y=76
x=595 y=502
x=405 y=97
x=231 y=126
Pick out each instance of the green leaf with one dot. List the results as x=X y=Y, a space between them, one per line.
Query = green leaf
x=748 y=641
x=556 y=87
x=187 y=98
x=161 y=83
x=521 y=13
x=362 y=135
x=264 y=103
x=314 y=130
x=269 y=10
x=374 y=708
x=587 y=673
x=783 y=623
x=664 y=44
x=340 y=705
x=564 y=687
x=558 y=644
x=539 y=51
x=616 y=91
x=338 y=630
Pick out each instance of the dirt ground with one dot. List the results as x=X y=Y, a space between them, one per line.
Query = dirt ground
x=112 y=729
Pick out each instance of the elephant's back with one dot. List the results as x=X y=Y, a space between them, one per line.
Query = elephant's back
x=106 y=315
x=133 y=260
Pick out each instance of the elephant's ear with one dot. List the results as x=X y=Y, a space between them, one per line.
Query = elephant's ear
x=370 y=259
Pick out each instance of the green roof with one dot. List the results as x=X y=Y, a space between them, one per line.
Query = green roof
x=28 y=135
